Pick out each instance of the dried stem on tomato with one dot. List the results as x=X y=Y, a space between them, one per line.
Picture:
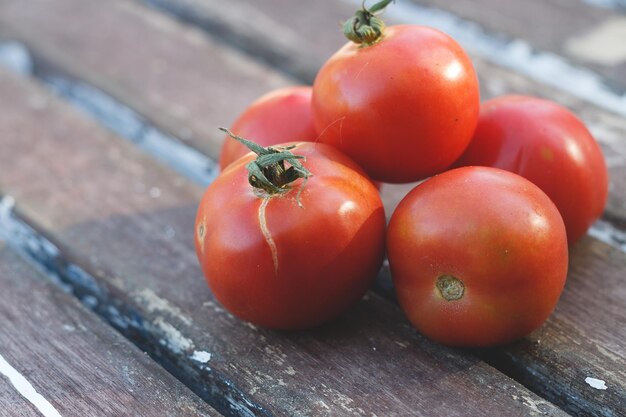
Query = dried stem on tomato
x=365 y=27
x=269 y=172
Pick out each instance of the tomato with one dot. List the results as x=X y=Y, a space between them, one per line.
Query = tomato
x=297 y=258
x=404 y=108
x=279 y=116
x=550 y=146
x=478 y=256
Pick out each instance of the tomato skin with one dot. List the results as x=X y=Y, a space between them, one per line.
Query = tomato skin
x=548 y=145
x=279 y=116
x=404 y=108
x=327 y=252
x=496 y=232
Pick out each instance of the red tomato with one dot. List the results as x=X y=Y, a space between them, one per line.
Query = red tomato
x=548 y=145
x=478 y=256
x=284 y=266
x=279 y=116
x=404 y=108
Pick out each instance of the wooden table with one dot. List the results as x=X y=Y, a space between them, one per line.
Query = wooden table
x=108 y=135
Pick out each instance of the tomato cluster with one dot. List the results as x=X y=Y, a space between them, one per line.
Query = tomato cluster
x=291 y=235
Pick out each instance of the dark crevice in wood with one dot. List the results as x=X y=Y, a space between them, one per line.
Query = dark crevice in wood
x=280 y=59
x=208 y=384
x=517 y=362
x=58 y=265
x=165 y=147
x=536 y=378
x=205 y=382
x=128 y=124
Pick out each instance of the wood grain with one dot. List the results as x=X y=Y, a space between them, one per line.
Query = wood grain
x=552 y=374
x=76 y=362
x=201 y=85
x=175 y=76
x=279 y=32
x=584 y=338
x=97 y=207
x=547 y=25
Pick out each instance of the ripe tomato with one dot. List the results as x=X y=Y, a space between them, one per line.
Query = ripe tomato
x=404 y=108
x=478 y=256
x=297 y=258
x=279 y=116
x=548 y=145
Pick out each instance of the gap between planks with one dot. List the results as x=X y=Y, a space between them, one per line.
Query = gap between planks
x=162 y=343
x=166 y=148
x=75 y=279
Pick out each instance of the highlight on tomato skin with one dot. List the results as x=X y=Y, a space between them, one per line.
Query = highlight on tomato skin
x=404 y=107
x=548 y=145
x=298 y=258
x=478 y=256
x=282 y=115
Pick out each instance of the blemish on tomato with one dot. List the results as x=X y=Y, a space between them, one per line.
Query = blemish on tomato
x=200 y=235
x=450 y=287
x=267 y=234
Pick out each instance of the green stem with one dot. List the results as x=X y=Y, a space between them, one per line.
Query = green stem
x=268 y=171
x=380 y=6
x=365 y=27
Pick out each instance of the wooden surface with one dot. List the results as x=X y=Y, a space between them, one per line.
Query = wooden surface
x=574 y=29
x=190 y=77
x=212 y=83
x=155 y=273
x=72 y=359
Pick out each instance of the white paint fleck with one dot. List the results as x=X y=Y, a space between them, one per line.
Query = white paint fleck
x=290 y=371
x=241 y=408
x=69 y=328
x=596 y=383
x=323 y=404
x=534 y=405
x=213 y=305
x=250 y=325
x=602 y=45
x=173 y=338
x=152 y=302
x=201 y=356
x=26 y=389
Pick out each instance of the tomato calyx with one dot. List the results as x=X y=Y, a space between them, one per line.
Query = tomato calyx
x=450 y=287
x=365 y=28
x=268 y=173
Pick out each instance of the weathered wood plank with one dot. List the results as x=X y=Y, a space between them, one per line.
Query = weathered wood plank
x=587 y=35
x=215 y=83
x=99 y=208
x=10 y=399
x=181 y=80
x=79 y=365
x=583 y=339
x=609 y=129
